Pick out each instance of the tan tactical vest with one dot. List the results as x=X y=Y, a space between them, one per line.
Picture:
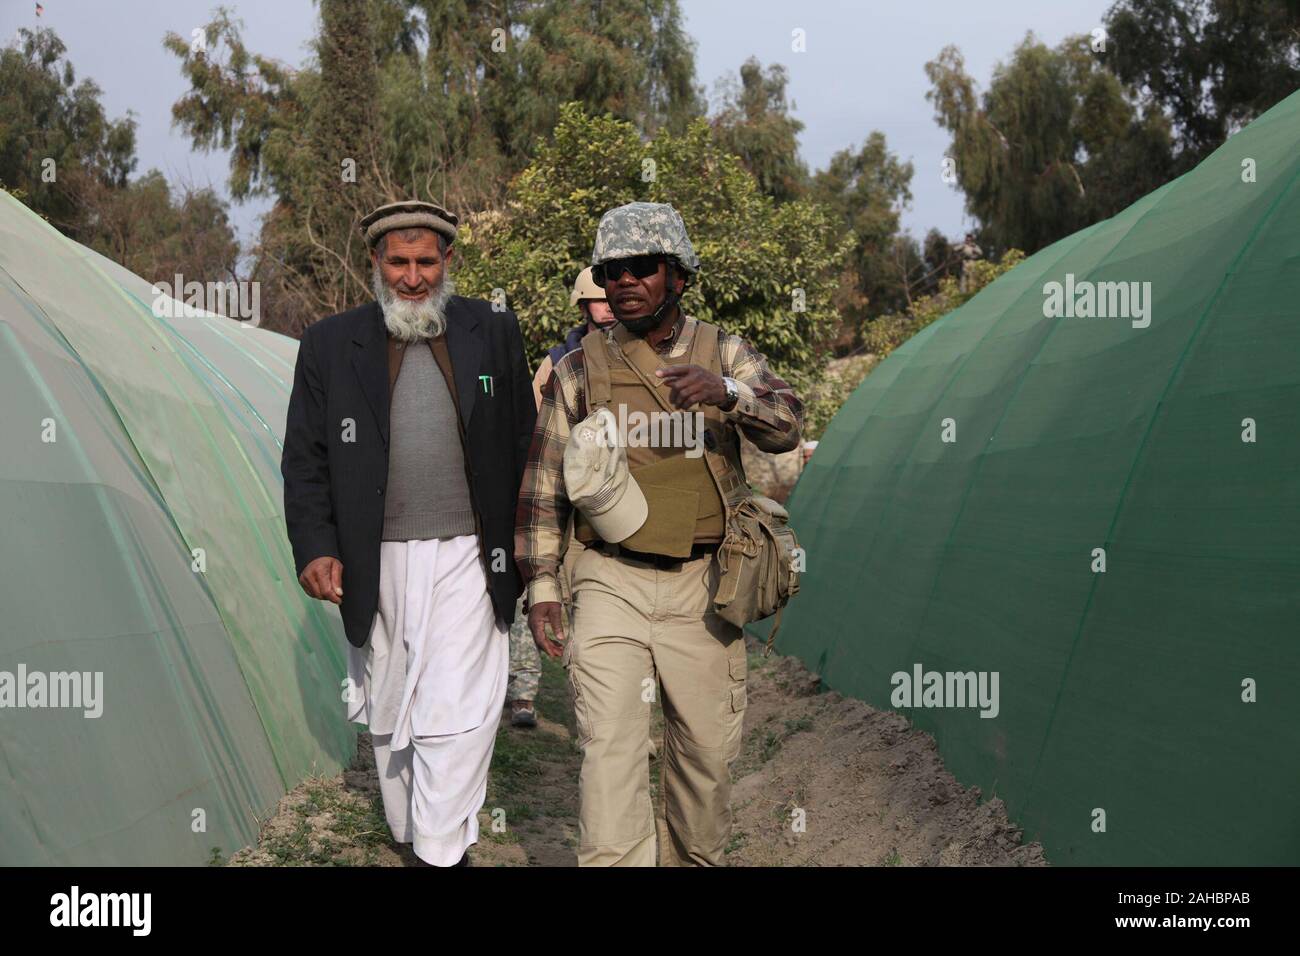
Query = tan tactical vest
x=689 y=498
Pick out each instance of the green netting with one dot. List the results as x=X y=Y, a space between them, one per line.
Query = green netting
x=221 y=688
x=1119 y=690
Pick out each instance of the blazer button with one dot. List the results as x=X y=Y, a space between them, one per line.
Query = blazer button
x=379 y=491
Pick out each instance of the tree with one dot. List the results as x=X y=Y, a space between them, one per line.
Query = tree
x=446 y=105
x=47 y=115
x=145 y=228
x=767 y=273
x=346 y=175
x=866 y=191
x=1052 y=124
x=754 y=123
x=1211 y=65
x=890 y=331
x=53 y=126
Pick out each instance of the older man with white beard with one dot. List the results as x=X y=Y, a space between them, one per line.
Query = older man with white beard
x=407 y=434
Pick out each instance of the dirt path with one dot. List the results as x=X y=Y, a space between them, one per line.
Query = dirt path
x=872 y=789
x=822 y=780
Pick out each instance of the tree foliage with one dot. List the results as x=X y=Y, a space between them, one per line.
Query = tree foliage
x=157 y=232
x=890 y=331
x=867 y=190
x=760 y=262
x=46 y=115
x=51 y=122
x=1210 y=65
x=754 y=123
x=439 y=100
x=1055 y=143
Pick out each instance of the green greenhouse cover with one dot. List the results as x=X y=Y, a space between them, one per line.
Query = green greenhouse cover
x=145 y=572
x=1099 y=502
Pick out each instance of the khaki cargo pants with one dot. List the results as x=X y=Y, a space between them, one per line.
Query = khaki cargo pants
x=634 y=624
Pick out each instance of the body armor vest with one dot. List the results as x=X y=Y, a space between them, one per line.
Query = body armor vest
x=688 y=496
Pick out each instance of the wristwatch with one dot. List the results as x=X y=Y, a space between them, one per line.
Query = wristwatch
x=733 y=395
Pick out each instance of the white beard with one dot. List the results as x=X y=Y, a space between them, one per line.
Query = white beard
x=411 y=321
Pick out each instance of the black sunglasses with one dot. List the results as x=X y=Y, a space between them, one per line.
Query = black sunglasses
x=639 y=266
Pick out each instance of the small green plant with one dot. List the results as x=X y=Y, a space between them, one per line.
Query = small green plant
x=793 y=727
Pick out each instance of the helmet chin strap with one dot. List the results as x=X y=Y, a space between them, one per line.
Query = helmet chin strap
x=644 y=325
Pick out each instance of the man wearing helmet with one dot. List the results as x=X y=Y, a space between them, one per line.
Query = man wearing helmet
x=644 y=614
x=525 y=666
x=589 y=298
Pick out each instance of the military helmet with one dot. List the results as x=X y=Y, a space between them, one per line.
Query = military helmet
x=585 y=288
x=644 y=228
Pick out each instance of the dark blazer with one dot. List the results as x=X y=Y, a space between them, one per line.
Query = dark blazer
x=334 y=489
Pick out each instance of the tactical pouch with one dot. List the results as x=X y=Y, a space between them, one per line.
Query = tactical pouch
x=756 y=564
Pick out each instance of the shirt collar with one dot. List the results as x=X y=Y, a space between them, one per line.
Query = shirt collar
x=674 y=335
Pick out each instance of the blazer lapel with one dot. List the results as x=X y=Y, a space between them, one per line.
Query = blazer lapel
x=370 y=362
x=465 y=346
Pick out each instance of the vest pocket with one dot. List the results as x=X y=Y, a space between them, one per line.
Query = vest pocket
x=670 y=523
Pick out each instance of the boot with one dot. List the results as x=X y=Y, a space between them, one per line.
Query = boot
x=522 y=714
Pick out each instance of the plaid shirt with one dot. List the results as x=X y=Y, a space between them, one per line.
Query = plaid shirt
x=767 y=412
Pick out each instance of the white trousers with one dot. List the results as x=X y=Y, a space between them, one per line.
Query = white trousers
x=430 y=684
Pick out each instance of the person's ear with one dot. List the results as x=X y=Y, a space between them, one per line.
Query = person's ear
x=679 y=280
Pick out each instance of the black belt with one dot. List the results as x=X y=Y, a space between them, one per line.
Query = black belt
x=660 y=561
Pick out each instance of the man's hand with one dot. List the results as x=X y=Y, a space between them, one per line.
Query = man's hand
x=542 y=614
x=693 y=385
x=323 y=579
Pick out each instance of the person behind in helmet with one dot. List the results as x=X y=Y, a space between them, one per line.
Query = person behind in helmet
x=589 y=298
x=644 y=587
x=525 y=664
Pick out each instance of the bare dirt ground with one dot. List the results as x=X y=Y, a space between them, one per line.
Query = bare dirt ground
x=822 y=780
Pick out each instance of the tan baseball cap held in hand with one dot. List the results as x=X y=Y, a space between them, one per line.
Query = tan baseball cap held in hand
x=597 y=479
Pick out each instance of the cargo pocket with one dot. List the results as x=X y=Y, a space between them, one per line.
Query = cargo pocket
x=580 y=715
x=735 y=716
x=738 y=667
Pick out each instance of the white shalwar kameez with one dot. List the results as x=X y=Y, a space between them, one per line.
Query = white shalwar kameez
x=431 y=683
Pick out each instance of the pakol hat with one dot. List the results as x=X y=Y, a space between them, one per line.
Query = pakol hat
x=411 y=214
x=597 y=479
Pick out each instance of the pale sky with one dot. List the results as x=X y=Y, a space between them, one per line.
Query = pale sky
x=862 y=69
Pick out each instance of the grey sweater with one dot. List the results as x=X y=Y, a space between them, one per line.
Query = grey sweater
x=427 y=493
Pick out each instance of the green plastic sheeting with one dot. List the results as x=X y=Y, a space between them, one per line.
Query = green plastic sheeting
x=134 y=449
x=1120 y=692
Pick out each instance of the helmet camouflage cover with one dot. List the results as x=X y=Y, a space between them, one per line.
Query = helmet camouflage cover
x=643 y=228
